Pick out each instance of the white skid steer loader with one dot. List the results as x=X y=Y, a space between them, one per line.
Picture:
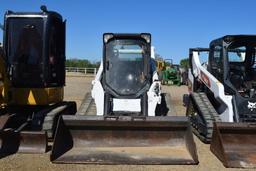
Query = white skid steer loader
x=131 y=125
x=221 y=104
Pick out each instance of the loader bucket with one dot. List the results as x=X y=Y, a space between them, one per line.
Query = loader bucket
x=235 y=144
x=12 y=142
x=123 y=140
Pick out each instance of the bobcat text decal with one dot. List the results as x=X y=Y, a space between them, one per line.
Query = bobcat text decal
x=251 y=106
x=205 y=79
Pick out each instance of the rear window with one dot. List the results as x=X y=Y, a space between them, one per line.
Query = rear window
x=128 y=52
x=25 y=40
x=237 y=54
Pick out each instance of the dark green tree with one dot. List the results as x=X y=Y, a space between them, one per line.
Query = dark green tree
x=184 y=63
x=81 y=63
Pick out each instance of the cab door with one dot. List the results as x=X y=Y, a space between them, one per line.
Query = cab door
x=24 y=51
x=216 y=62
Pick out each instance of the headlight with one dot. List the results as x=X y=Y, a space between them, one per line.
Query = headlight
x=107 y=36
x=146 y=36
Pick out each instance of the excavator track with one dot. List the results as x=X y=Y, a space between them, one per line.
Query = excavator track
x=31 y=130
x=202 y=115
x=52 y=115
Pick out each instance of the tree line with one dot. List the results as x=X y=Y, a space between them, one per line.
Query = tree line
x=184 y=63
x=81 y=63
x=84 y=63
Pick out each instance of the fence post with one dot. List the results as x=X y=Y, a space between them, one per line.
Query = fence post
x=85 y=71
x=95 y=70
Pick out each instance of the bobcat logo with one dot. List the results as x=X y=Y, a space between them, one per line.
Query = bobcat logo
x=251 y=106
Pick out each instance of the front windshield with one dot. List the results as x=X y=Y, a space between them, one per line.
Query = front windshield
x=242 y=70
x=128 y=52
x=125 y=65
x=237 y=54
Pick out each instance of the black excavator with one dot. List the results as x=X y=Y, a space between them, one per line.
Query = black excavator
x=32 y=69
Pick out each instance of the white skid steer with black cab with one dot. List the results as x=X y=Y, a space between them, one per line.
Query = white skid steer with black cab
x=131 y=125
x=222 y=98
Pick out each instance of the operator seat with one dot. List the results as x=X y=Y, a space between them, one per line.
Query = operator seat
x=237 y=77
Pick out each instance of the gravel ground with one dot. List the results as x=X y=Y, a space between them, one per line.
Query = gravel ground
x=75 y=89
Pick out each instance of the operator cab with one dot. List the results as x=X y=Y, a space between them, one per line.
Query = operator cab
x=242 y=67
x=127 y=69
x=34 y=46
x=238 y=59
x=232 y=62
x=127 y=64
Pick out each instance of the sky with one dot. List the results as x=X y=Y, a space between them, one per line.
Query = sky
x=175 y=25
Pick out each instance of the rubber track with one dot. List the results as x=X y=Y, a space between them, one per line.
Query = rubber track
x=88 y=106
x=207 y=113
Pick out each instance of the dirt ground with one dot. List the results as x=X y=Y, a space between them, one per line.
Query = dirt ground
x=75 y=89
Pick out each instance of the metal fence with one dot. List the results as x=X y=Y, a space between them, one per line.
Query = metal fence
x=81 y=71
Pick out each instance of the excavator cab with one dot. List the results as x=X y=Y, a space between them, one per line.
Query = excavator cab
x=33 y=77
x=34 y=46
